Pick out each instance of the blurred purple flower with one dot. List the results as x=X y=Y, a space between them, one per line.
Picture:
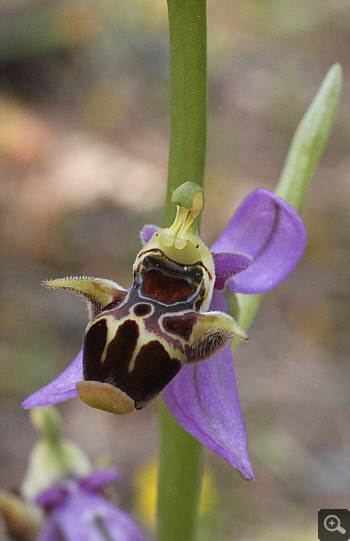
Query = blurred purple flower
x=261 y=246
x=77 y=511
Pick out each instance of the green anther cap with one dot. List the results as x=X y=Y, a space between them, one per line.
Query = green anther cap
x=189 y=195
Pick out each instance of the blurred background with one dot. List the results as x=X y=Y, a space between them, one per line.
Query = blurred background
x=84 y=122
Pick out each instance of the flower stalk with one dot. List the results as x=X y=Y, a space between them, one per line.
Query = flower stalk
x=180 y=461
x=188 y=109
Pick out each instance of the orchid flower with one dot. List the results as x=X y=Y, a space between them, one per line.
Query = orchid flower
x=170 y=333
x=62 y=496
x=78 y=511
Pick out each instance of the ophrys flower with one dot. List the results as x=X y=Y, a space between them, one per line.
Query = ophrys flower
x=171 y=330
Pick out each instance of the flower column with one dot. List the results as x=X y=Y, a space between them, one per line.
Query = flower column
x=180 y=468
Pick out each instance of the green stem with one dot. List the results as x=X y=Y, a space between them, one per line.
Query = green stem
x=188 y=111
x=180 y=462
x=179 y=482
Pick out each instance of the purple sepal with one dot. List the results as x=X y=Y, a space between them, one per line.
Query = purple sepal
x=227 y=265
x=203 y=398
x=61 y=388
x=271 y=232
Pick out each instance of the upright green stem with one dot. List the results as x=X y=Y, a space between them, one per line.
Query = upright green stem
x=180 y=468
x=179 y=482
x=188 y=111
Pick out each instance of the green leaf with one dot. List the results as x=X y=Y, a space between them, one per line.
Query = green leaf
x=310 y=140
x=305 y=152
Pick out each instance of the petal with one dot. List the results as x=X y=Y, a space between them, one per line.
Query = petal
x=203 y=399
x=98 y=479
x=148 y=232
x=270 y=231
x=227 y=265
x=52 y=497
x=61 y=388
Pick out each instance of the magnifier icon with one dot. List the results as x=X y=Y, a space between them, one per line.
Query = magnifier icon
x=332 y=524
